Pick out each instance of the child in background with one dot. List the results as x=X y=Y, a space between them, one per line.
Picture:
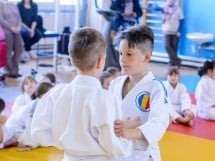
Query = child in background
x=25 y=140
x=49 y=77
x=182 y=111
x=105 y=79
x=140 y=95
x=28 y=86
x=114 y=71
x=205 y=95
x=2 y=118
x=108 y=75
x=79 y=117
x=2 y=105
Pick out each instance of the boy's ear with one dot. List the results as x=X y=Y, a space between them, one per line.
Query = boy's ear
x=147 y=57
x=99 y=62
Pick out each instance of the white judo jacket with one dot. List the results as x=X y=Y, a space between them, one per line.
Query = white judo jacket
x=148 y=100
x=179 y=97
x=205 y=97
x=79 y=118
x=15 y=118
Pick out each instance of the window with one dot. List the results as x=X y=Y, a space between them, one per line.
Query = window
x=68 y=2
x=36 y=1
x=62 y=2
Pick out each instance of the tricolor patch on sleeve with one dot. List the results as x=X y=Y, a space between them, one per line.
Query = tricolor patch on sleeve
x=143 y=101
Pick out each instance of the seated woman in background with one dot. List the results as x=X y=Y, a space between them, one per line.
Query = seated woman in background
x=205 y=96
x=30 y=34
x=11 y=23
x=182 y=111
x=129 y=11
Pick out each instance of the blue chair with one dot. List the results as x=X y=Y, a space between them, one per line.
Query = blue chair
x=46 y=50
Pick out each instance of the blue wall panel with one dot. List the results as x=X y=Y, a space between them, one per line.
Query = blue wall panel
x=199 y=16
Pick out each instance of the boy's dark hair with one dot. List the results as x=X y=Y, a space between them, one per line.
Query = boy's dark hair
x=50 y=76
x=112 y=70
x=31 y=2
x=173 y=70
x=104 y=75
x=42 y=88
x=208 y=65
x=2 y=105
x=86 y=46
x=140 y=36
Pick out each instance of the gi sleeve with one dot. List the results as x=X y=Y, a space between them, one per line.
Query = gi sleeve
x=42 y=121
x=158 y=121
x=103 y=128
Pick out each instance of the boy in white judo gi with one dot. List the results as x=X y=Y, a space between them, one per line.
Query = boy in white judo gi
x=182 y=110
x=140 y=95
x=79 y=117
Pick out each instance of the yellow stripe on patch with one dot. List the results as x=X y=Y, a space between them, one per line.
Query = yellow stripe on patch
x=145 y=101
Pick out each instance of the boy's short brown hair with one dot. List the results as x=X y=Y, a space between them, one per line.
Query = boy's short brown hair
x=86 y=46
x=140 y=36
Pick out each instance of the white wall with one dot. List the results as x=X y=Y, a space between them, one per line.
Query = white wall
x=67 y=15
x=94 y=19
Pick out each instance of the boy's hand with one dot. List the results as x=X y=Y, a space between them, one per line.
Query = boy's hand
x=3 y=119
x=118 y=126
x=132 y=123
x=122 y=128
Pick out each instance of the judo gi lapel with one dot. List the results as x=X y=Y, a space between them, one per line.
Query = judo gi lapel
x=137 y=101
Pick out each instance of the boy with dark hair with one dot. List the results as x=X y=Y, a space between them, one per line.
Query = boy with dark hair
x=140 y=95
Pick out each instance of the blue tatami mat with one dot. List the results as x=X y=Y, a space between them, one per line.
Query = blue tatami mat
x=190 y=81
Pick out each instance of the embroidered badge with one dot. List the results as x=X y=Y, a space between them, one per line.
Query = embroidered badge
x=143 y=101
